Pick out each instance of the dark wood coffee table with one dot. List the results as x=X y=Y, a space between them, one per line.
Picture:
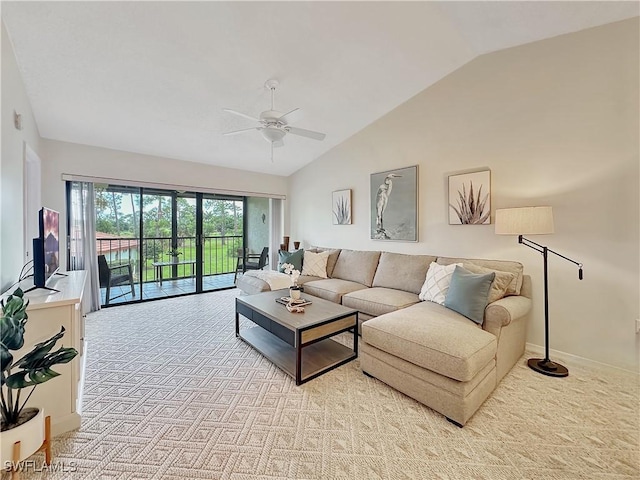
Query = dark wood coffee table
x=298 y=343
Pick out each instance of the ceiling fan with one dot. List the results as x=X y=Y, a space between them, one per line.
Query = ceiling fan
x=274 y=125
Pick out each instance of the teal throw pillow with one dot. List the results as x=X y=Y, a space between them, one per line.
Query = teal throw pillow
x=294 y=258
x=469 y=293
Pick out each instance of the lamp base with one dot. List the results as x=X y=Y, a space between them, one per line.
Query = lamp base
x=547 y=367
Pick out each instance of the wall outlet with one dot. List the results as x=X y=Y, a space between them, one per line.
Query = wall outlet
x=637 y=326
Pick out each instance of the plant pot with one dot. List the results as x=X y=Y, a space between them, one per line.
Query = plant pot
x=174 y=259
x=294 y=293
x=30 y=434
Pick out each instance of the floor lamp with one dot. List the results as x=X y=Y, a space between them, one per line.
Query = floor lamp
x=535 y=221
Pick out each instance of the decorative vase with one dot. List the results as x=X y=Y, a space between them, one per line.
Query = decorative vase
x=174 y=259
x=30 y=434
x=294 y=292
x=296 y=245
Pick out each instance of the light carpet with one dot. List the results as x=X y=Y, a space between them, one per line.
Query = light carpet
x=170 y=393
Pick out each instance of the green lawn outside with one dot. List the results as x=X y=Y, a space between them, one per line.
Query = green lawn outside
x=217 y=259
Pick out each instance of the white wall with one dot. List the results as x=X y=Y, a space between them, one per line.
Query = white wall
x=556 y=121
x=257 y=229
x=71 y=158
x=13 y=98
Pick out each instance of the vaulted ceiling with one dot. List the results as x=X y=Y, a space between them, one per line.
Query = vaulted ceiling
x=154 y=77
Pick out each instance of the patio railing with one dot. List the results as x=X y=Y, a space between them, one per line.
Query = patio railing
x=219 y=255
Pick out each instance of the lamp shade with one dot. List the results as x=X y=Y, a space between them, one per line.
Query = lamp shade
x=524 y=221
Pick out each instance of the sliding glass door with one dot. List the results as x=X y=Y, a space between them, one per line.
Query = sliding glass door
x=168 y=243
x=118 y=243
x=173 y=242
x=222 y=239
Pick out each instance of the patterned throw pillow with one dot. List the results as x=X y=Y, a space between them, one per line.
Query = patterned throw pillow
x=315 y=264
x=437 y=282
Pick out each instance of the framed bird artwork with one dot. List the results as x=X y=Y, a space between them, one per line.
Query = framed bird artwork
x=394 y=205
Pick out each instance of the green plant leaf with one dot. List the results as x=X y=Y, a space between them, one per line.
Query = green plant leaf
x=39 y=370
x=36 y=377
x=7 y=360
x=15 y=305
x=39 y=351
x=62 y=355
x=12 y=333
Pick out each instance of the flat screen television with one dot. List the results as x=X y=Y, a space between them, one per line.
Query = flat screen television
x=46 y=248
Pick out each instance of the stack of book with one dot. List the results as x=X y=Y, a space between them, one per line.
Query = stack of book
x=300 y=302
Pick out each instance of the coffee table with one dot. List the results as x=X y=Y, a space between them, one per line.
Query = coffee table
x=299 y=343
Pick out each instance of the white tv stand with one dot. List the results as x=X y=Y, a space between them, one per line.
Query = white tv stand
x=61 y=397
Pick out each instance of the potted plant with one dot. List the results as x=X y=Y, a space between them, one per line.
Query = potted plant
x=174 y=254
x=294 y=289
x=25 y=425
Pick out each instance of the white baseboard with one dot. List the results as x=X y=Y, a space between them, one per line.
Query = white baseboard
x=564 y=357
x=65 y=424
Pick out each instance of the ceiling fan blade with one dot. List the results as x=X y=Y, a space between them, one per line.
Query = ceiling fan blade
x=235 y=132
x=305 y=133
x=292 y=116
x=279 y=143
x=240 y=114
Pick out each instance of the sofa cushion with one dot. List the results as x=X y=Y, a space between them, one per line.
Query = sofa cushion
x=334 y=253
x=378 y=301
x=500 y=283
x=461 y=389
x=468 y=293
x=433 y=337
x=294 y=258
x=331 y=289
x=436 y=283
x=357 y=266
x=402 y=272
x=302 y=279
x=503 y=265
x=315 y=264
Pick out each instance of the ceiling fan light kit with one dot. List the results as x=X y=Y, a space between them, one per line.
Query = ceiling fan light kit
x=272 y=134
x=274 y=125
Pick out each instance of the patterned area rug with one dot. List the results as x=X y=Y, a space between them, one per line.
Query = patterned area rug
x=170 y=393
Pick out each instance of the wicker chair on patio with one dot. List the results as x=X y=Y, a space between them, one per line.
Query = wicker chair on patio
x=113 y=276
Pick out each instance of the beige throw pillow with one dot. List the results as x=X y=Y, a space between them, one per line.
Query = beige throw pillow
x=500 y=283
x=315 y=264
x=333 y=257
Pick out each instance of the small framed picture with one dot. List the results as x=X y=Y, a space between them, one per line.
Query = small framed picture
x=470 y=198
x=341 y=206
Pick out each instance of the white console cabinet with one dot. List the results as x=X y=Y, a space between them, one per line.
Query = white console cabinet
x=60 y=397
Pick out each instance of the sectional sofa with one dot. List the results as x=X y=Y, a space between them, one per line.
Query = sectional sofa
x=423 y=349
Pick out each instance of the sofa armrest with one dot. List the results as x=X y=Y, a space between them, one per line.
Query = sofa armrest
x=502 y=312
